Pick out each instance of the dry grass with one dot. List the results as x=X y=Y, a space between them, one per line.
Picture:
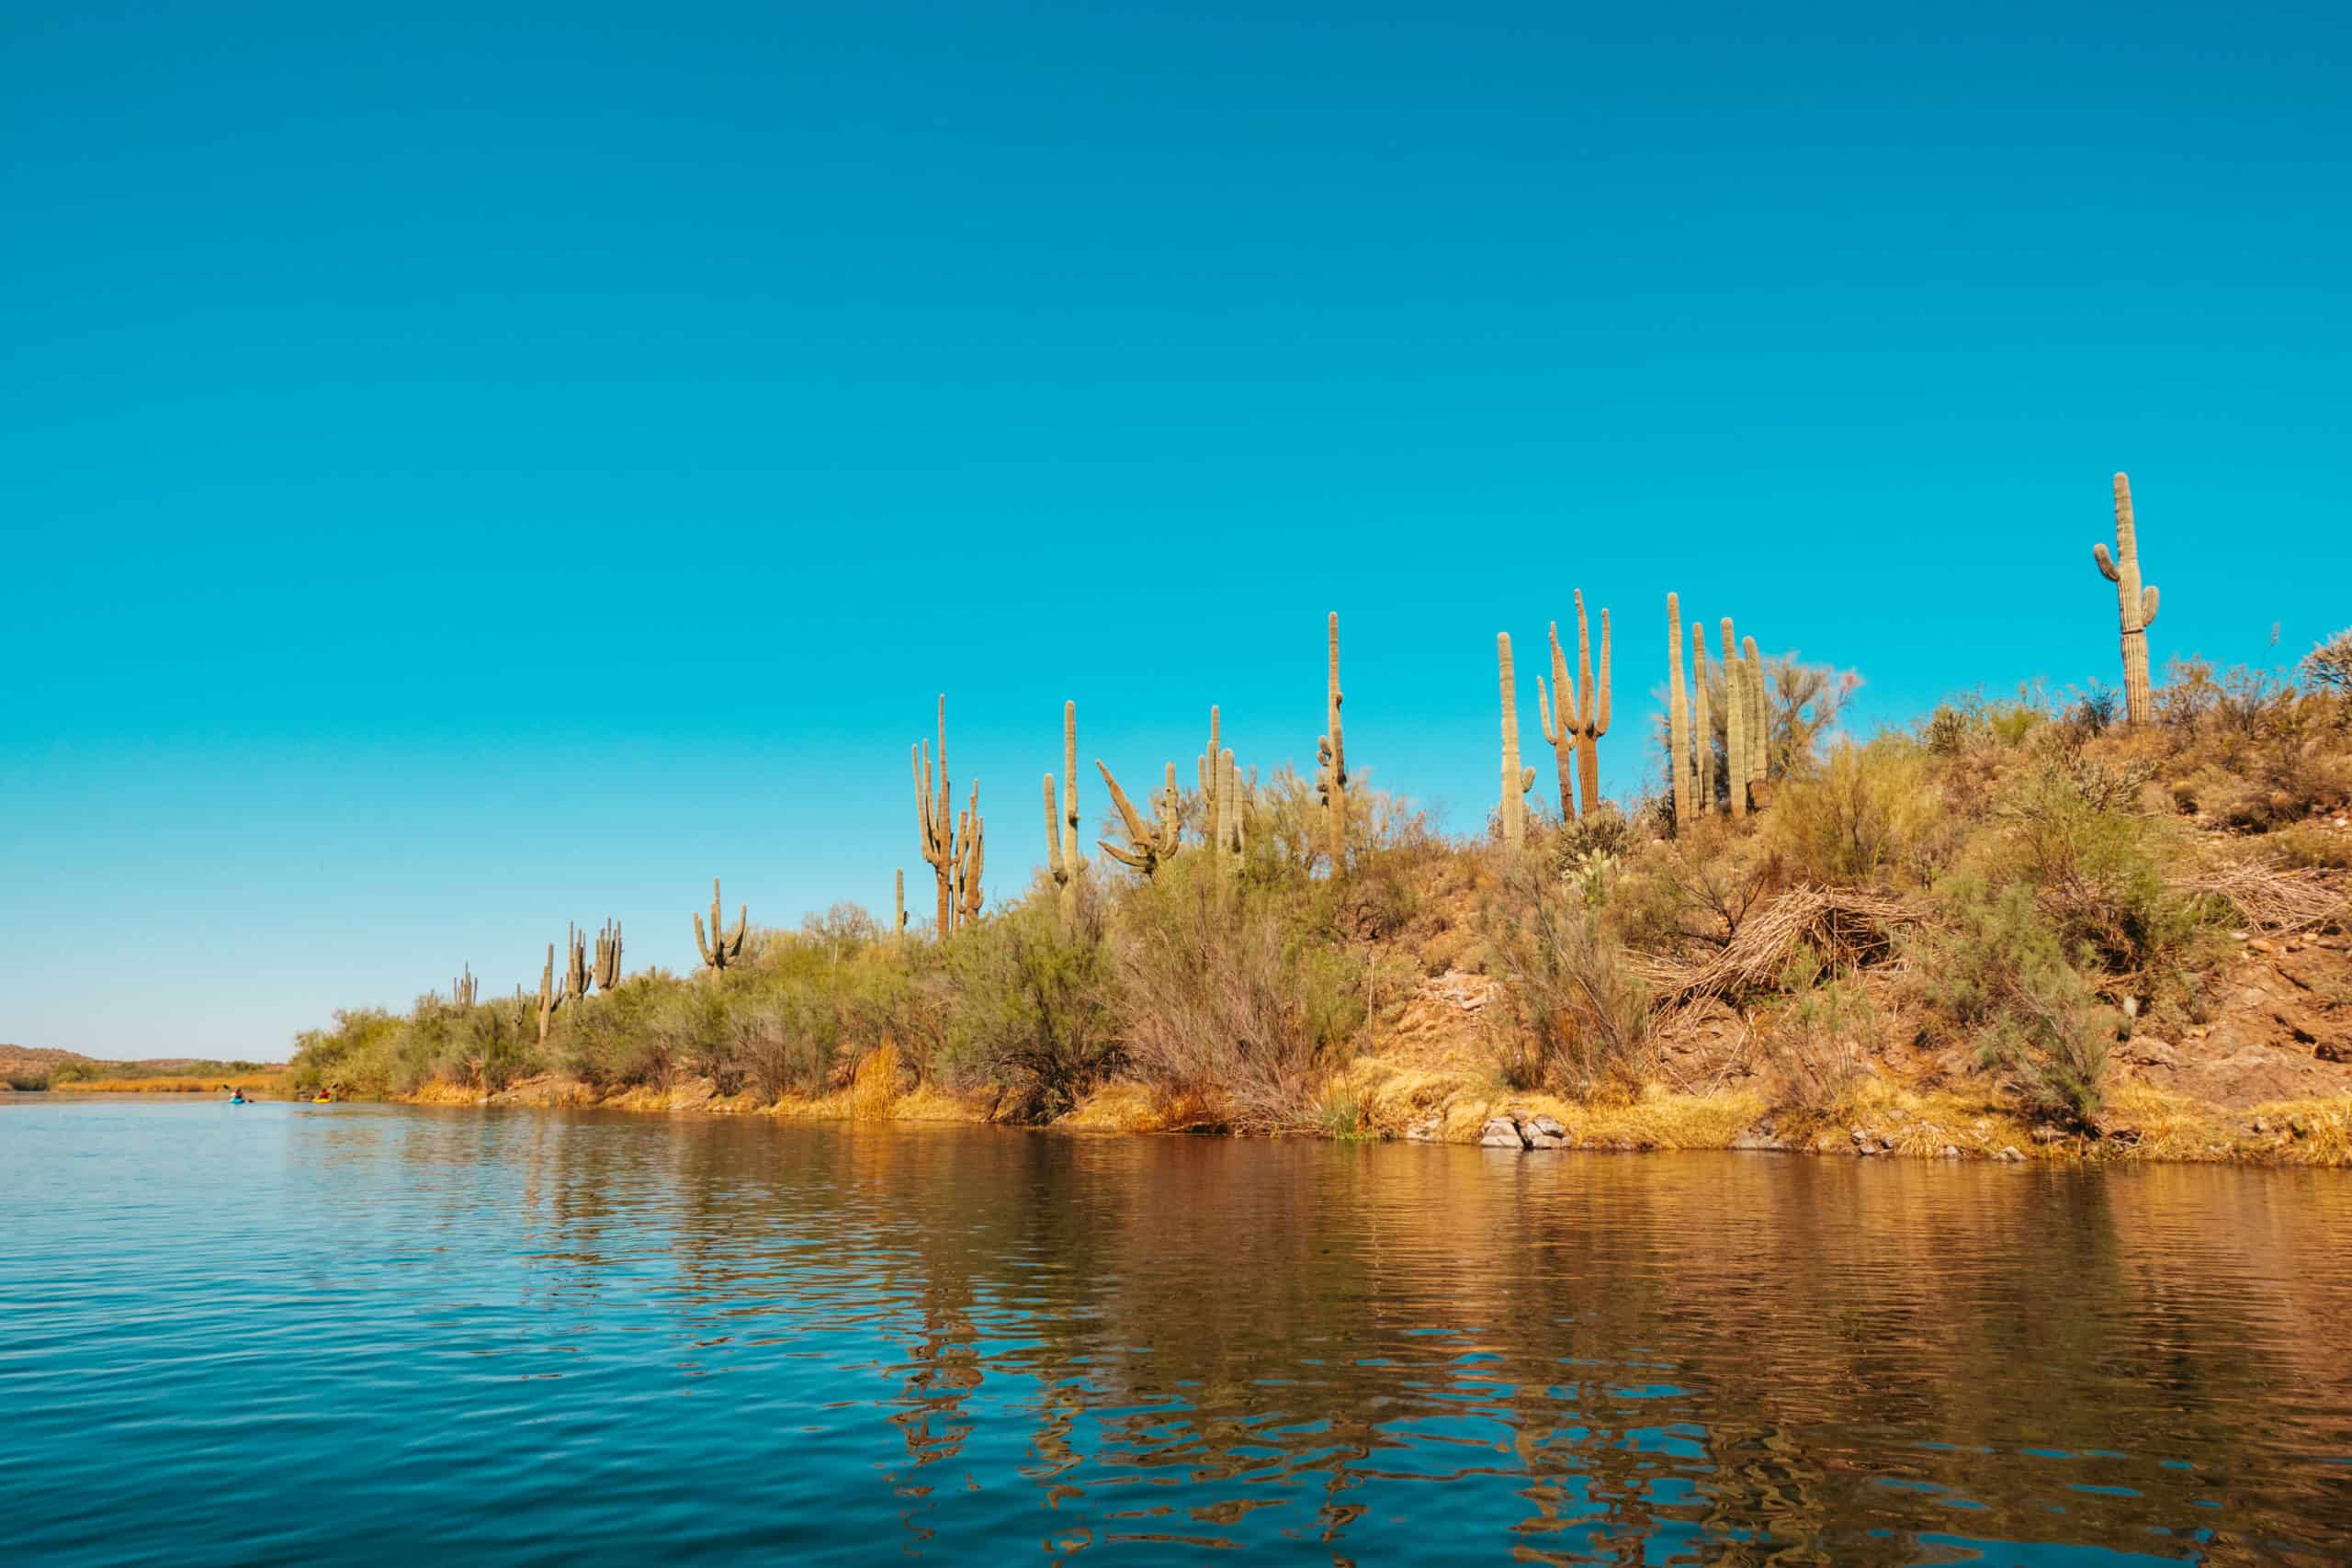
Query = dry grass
x=2267 y=897
x=258 y=1086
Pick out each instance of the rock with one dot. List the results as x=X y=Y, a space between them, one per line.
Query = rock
x=1498 y=1134
x=2046 y=1133
x=2009 y=1154
x=1539 y=1139
x=1950 y=1151
x=1548 y=1126
x=1425 y=1131
x=2260 y=1125
x=1758 y=1138
x=2151 y=1051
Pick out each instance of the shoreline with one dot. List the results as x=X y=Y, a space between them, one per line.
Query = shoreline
x=2146 y=1126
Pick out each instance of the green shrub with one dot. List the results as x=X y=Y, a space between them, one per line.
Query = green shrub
x=1871 y=812
x=1573 y=1018
x=1233 y=994
x=1820 y=1037
x=1998 y=973
x=1031 y=1014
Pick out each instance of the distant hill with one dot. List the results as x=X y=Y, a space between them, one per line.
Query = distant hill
x=32 y=1067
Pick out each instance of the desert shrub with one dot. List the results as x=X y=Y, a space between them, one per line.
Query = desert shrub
x=784 y=1043
x=1573 y=1019
x=26 y=1079
x=1030 y=1011
x=1697 y=888
x=359 y=1056
x=2310 y=846
x=1871 y=812
x=1802 y=703
x=1820 y=1038
x=1226 y=997
x=1996 y=973
x=2328 y=666
x=2096 y=871
x=656 y=1028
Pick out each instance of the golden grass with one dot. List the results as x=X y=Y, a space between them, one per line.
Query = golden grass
x=257 y=1086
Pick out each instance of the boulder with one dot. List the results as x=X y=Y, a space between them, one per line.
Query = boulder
x=1499 y=1133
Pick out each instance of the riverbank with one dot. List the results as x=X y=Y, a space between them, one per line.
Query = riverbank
x=2019 y=932
x=2146 y=1125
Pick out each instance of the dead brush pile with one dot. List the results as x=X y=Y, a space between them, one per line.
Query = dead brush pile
x=1846 y=928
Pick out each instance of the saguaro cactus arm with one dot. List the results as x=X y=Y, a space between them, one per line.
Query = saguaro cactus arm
x=1149 y=847
x=1558 y=708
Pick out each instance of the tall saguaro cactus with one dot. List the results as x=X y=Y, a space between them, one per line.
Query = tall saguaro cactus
x=465 y=987
x=1062 y=858
x=1149 y=848
x=935 y=822
x=1678 y=718
x=1211 y=775
x=1759 y=724
x=2136 y=603
x=1702 y=730
x=721 y=947
x=899 y=906
x=608 y=957
x=1332 y=758
x=1517 y=780
x=1593 y=718
x=551 y=996
x=1736 y=723
x=970 y=861
x=575 y=963
x=1560 y=732
x=1229 y=842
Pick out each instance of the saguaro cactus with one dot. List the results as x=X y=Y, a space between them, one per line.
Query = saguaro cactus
x=2137 y=604
x=1702 y=730
x=608 y=957
x=1592 y=718
x=550 y=995
x=970 y=861
x=1576 y=715
x=1560 y=732
x=1332 y=758
x=1062 y=858
x=721 y=948
x=1678 y=718
x=1229 y=842
x=1517 y=780
x=1149 y=848
x=899 y=906
x=1759 y=723
x=463 y=990
x=935 y=822
x=1735 y=726
x=575 y=963
x=1211 y=774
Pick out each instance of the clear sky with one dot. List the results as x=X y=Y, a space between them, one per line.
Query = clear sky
x=464 y=469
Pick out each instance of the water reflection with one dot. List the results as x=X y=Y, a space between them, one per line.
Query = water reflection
x=640 y=1337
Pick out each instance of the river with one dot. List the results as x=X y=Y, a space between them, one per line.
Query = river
x=364 y=1334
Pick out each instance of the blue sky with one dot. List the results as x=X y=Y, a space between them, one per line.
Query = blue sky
x=469 y=468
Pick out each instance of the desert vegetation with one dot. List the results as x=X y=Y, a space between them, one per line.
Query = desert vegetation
x=2031 y=916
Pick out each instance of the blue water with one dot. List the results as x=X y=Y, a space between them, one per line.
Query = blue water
x=367 y=1334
